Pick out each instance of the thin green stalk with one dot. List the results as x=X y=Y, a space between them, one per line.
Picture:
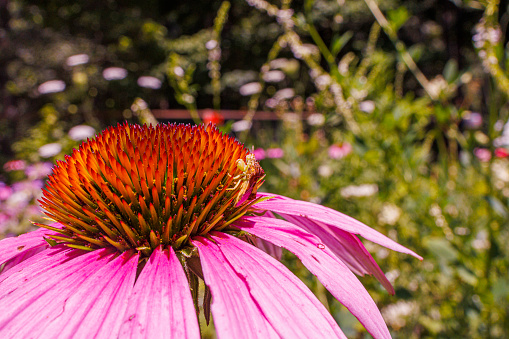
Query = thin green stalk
x=215 y=54
x=401 y=49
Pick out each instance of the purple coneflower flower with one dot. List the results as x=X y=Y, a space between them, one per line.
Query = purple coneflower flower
x=339 y=151
x=144 y=215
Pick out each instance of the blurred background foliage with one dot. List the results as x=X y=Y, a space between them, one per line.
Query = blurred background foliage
x=394 y=112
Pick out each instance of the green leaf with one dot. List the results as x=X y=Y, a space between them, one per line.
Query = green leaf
x=398 y=17
x=441 y=248
x=451 y=70
x=498 y=207
x=467 y=276
x=339 y=42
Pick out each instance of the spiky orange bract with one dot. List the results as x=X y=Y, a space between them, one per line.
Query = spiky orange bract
x=139 y=187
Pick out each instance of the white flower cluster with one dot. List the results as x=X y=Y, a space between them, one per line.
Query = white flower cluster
x=484 y=40
x=503 y=140
x=354 y=191
x=396 y=315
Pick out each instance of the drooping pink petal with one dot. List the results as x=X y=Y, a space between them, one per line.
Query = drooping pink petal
x=285 y=301
x=11 y=247
x=236 y=314
x=346 y=246
x=161 y=305
x=96 y=308
x=320 y=261
x=335 y=219
x=35 y=291
x=268 y=247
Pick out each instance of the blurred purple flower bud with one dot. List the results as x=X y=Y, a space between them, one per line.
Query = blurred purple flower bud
x=473 y=120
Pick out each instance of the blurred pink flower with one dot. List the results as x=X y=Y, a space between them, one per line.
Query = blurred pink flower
x=340 y=151
x=259 y=153
x=14 y=165
x=211 y=116
x=5 y=191
x=472 y=120
x=39 y=170
x=117 y=269
x=274 y=153
x=483 y=154
x=501 y=152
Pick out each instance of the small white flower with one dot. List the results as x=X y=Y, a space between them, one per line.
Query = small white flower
x=367 y=106
x=241 y=125
x=78 y=59
x=211 y=44
x=273 y=76
x=325 y=171
x=481 y=241
x=396 y=314
x=81 y=132
x=188 y=98
x=316 y=119
x=285 y=93
x=149 y=82
x=52 y=86
x=49 y=150
x=178 y=71
x=323 y=81
x=364 y=190
x=390 y=214
x=279 y=63
x=114 y=73
x=250 y=88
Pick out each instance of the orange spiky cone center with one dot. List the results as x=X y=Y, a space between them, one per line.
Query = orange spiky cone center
x=139 y=187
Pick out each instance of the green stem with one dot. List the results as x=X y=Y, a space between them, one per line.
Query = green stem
x=400 y=48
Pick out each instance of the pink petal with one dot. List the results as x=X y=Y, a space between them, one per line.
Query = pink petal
x=285 y=301
x=268 y=247
x=329 y=269
x=34 y=266
x=346 y=246
x=161 y=305
x=236 y=314
x=11 y=247
x=38 y=288
x=98 y=304
x=335 y=219
x=14 y=261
